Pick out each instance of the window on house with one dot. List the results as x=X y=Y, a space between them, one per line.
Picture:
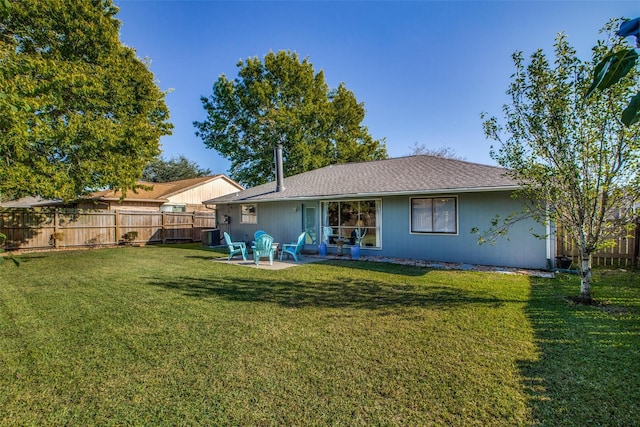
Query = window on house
x=249 y=214
x=354 y=221
x=173 y=208
x=434 y=215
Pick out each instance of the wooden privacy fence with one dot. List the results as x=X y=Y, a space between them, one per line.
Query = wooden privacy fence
x=36 y=229
x=623 y=253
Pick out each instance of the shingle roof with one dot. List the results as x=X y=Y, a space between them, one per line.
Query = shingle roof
x=159 y=190
x=402 y=175
x=30 y=202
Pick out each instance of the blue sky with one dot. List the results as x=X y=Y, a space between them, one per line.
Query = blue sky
x=425 y=70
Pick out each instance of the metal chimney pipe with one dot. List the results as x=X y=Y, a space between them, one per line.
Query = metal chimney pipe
x=279 y=169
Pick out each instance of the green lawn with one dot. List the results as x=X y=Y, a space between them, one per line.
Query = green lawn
x=162 y=335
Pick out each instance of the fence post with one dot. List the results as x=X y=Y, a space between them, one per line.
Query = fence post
x=117 y=226
x=193 y=226
x=164 y=225
x=56 y=243
x=636 y=243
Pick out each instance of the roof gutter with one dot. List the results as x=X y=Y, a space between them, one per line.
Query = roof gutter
x=373 y=194
x=117 y=199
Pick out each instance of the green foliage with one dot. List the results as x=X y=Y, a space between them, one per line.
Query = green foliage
x=499 y=227
x=631 y=114
x=610 y=71
x=612 y=68
x=281 y=100
x=174 y=169
x=78 y=110
x=576 y=162
x=617 y=65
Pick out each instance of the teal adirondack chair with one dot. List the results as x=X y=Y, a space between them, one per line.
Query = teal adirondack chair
x=294 y=249
x=235 y=247
x=327 y=232
x=360 y=235
x=263 y=248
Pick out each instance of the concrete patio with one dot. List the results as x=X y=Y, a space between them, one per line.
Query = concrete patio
x=264 y=262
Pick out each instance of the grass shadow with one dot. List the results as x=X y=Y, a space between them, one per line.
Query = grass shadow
x=587 y=371
x=383 y=267
x=380 y=267
x=331 y=293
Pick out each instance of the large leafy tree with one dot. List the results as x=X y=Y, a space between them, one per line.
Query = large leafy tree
x=282 y=100
x=173 y=169
x=78 y=110
x=576 y=161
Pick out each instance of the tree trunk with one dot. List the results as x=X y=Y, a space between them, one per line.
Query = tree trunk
x=585 y=280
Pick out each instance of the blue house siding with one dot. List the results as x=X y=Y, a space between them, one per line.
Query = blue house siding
x=284 y=221
x=518 y=249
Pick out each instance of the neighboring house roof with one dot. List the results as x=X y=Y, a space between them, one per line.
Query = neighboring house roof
x=402 y=175
x=30 y=202
x=159 y=191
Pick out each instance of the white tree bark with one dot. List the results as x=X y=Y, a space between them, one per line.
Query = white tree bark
x=585 y=280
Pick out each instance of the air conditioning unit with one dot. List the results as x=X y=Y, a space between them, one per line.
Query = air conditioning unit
x=211 y=237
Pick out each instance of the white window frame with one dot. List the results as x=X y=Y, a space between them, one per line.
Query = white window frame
x=171 y=208
x=246 y=216
x=412 y=230
x=377 y=229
